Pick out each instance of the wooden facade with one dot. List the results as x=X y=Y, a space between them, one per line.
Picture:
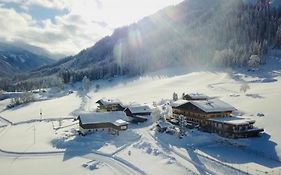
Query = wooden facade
x=113 y=121
x=102 y=125
x=216 y=117
x=242 y=129
x=138 y=114
x=196 y=115
x=109 y=105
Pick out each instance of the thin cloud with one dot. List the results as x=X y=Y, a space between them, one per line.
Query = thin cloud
x=83 y=23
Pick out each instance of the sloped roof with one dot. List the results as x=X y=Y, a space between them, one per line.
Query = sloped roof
x=105 y=101
x=233 y=120
x=213 y=105
x=178 y=103
x=164 y=124
x=139 y=109
x=197 y=96
x=116 y=117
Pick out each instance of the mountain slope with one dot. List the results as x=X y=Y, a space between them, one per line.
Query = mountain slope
x=194 y=32
x=14 y=60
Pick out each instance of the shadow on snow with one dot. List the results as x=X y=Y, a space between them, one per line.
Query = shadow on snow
x=77 y=145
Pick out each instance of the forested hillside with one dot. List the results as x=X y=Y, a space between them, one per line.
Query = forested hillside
x=15 y=60
x=221 y=33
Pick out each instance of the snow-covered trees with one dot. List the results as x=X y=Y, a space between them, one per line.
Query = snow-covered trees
x=155 y=114
x=25 y=98
x=234 y=31
x=224 y=57
x=86 y=83
x=254 y=61
x=175 y=96
x=278 y=36
x=59 y=82
x=97 y=87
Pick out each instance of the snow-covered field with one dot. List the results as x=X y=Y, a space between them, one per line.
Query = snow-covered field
x=53 y=147
x=57 y=107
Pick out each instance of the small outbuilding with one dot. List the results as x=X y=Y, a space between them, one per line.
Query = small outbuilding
x=162 y=125
x=114 y=122
x=138 y=113
x=109 y=105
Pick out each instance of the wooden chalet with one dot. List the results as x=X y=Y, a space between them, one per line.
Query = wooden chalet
x=232 y=127
x=195 y=96
x=113 y=121
x=109 y=105
x=215 y=116
x=137 y=113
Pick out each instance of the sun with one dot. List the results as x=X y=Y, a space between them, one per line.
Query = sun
x=122 y=12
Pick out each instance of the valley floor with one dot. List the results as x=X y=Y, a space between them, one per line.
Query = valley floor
x=52 y=146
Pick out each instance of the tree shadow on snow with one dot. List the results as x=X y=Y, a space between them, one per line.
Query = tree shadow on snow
x=266 y=73
x=79 y=146
x=171 y=141
x=256 y=96
x=259 y=150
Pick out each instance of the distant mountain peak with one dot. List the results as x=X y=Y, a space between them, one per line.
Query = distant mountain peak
x=14 y=60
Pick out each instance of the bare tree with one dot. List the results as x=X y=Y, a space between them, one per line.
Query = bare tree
x=86 y=83
x=244 y=87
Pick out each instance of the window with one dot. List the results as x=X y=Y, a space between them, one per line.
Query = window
x=123 y=127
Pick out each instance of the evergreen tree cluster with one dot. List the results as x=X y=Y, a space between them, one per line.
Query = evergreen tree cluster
x=223 y=33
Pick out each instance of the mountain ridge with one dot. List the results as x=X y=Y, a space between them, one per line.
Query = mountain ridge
x=15 y=60
x=211 y=33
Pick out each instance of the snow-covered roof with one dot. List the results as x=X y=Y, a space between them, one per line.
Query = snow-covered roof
x=116 y=117
x=178 y=103
x=233 y=120
x=139 y=109
x=121 y=122
x=213 y=105
x=164 y=124
x=105 y=102
x=197 y=96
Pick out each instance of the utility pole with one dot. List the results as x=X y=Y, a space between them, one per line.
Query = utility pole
x=41 y=113
x=34 y=134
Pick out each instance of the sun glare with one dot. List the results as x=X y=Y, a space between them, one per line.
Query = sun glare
x=121 y=12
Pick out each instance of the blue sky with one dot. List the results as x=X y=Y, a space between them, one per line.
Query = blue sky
x=37 y=12
x=67 y=26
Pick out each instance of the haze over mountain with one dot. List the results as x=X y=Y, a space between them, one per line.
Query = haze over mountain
x=15 y=60
x=195 y=32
